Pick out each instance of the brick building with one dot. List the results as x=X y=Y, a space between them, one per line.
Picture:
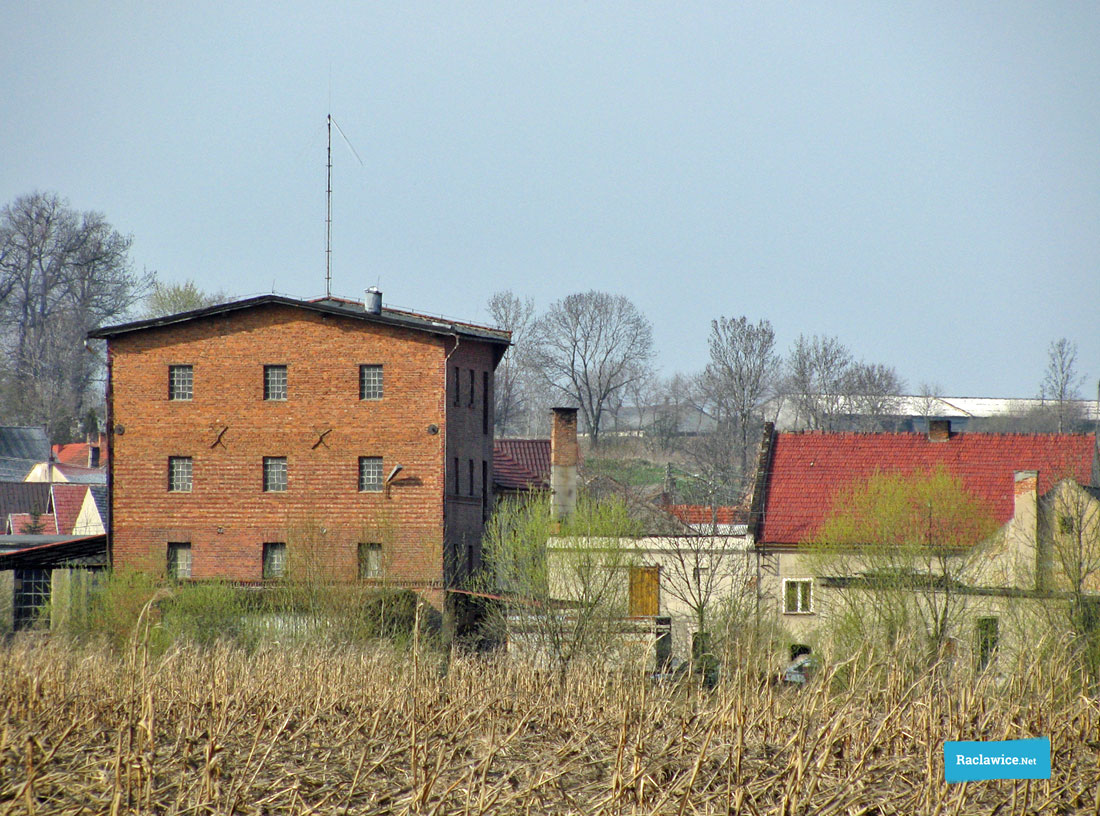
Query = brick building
x=253 y=436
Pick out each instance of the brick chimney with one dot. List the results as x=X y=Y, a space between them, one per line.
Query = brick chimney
x=564 y=454
x=939 y=430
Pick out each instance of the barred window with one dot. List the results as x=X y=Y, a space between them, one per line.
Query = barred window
x=274 y=560
x=179 y=560
x=179 y=474
x=370 y=560
x=370 y=473
x=274 y=474
x=370 y=382
x=274 y=382
x=181 y=382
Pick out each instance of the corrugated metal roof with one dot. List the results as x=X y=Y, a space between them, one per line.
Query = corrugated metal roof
x=23 y=497
x=44 y=552
x=24 y=442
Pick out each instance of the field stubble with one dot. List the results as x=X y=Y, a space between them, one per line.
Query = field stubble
x=372 y=730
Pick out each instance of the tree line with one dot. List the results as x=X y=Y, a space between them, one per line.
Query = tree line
x=64 y=272
x=595 y=350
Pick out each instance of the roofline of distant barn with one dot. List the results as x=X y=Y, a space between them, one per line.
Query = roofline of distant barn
x=331 y=306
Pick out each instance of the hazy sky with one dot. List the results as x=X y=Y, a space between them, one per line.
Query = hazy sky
x=920 y=179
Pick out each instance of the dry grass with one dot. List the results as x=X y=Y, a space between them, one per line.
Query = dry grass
x=369 y=730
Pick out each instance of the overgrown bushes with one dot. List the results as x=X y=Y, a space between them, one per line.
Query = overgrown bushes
x=204 y=613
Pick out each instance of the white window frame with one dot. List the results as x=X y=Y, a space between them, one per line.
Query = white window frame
x=809 y=582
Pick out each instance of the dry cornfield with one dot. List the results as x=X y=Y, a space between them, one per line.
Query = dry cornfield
x=372 y=730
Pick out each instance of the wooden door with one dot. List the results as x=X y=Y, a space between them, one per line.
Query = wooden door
x=645 y=591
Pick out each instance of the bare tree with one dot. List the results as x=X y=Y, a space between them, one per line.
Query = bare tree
x=511 y=392
x=173 y=298
x=873 y=390
x=818 y=380
x=1061 y=382
x=62 y=273
x=738 y=379
x=590 y=346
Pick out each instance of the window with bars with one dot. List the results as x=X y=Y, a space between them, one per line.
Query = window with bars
x=275 y=382
x=370 y=474
x=179 y=560
x=798 y=596
x=179 y=474
x=274 y=474
x=274 y=565
x=370 y=382
x=181 y=382
x=370 y=560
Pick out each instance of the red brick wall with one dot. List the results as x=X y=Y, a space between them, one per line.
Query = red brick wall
x=469 y=439
x=227 y=517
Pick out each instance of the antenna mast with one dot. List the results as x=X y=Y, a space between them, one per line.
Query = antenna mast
x=328 y=216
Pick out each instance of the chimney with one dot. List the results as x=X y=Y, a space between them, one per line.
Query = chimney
x=564 y=453
x=93 y=456
x=939 y=430
x=373 y=302
x=1025 y=521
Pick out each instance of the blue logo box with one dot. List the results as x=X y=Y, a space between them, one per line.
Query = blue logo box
x=1008 y=759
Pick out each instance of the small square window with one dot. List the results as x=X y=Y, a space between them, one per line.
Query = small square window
x=370 y=560
x=274 y=560
x=181 y=382
x=275 y=382
x=179 y=474
x=798 y=597
x=370 y=382
x=274 y=474
x=179 y=560
x=370 y=473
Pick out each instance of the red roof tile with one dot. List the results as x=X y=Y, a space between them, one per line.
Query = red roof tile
x=808 y=469
x=701 y=514
x=67 y=501
x=76 y=453
x=521 y=464
x=20 y=524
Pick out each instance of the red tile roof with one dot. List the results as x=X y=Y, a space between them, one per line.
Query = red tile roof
x=67 y=501
x=521 y=464
x=20 y=523
x=808 y=469
x=76 y=453
x=701 y=514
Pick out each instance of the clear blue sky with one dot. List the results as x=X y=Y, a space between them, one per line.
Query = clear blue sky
x=920 y=179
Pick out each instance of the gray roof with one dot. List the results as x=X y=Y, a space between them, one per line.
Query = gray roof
x=23 y=497
x=335 y=306
x=21 y=448
x=99 y=496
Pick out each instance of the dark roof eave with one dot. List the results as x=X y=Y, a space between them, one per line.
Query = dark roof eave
x=397 y=319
